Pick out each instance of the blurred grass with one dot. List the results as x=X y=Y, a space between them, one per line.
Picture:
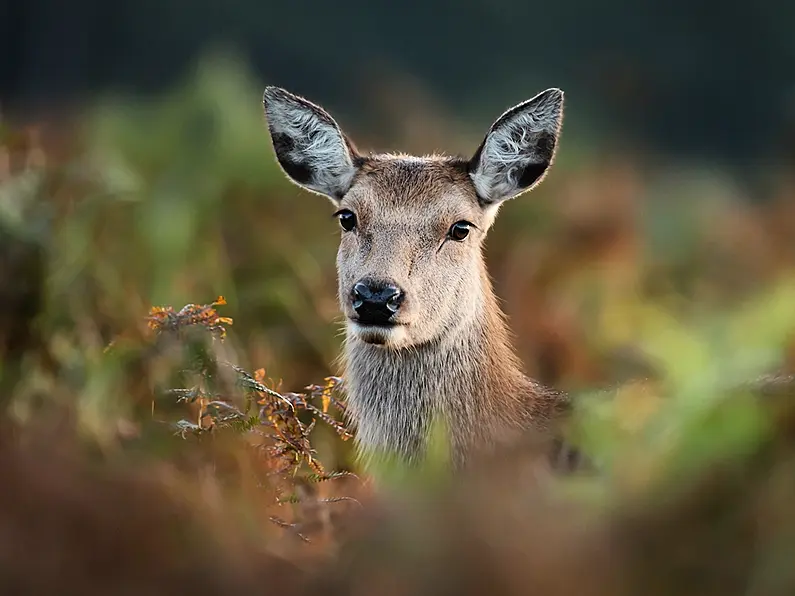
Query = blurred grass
x=620 y=271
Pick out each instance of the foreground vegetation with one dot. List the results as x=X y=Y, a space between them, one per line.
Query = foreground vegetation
x=148 y=446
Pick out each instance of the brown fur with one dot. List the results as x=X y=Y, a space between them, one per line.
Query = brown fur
x=466 y=373
x=448 y=359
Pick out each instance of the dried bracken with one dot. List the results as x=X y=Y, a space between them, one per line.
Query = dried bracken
x=167 y=319
x=252 y=406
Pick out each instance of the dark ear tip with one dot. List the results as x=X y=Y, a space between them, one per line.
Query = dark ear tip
x=273 y=93
x=552 y=95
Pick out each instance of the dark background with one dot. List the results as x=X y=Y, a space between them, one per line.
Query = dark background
x=708 y=78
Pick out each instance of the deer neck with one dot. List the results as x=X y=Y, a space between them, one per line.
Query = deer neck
x=469 y=379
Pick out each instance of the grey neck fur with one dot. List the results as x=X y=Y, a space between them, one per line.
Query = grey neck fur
x=469 y=378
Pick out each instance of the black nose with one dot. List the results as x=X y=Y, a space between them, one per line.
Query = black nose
x=375 y=302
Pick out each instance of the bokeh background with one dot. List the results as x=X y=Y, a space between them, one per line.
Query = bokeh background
x=674 y=174
x=135 y=171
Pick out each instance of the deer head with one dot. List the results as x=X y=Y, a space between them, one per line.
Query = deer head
x=410 y=263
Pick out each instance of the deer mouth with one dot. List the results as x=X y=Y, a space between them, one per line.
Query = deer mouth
x=381 y=334
x=376 y=325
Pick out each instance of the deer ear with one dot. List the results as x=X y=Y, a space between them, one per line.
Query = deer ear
x=309 y=145
x=518 y=149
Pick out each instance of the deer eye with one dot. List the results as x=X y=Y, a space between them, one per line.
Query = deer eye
x=347 y=219
x=459 y=230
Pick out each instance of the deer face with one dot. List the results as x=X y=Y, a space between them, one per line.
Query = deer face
x=410 y=265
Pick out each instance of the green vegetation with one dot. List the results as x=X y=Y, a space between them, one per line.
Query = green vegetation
x=116 y=403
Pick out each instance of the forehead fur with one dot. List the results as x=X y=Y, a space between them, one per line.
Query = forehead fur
x=405 y=180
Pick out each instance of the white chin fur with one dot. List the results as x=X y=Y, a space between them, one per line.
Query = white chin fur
x=388 y=337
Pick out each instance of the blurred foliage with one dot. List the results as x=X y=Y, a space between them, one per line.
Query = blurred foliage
x=659 y=297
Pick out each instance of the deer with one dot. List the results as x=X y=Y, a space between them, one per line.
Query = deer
x=426 y=344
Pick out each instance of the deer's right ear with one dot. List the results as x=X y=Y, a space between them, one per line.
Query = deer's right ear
x=309 y=145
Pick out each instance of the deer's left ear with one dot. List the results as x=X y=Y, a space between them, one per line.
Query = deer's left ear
x=518 y=148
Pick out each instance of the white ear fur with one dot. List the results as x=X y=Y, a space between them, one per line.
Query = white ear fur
x=309 y=145
x=518 y=149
